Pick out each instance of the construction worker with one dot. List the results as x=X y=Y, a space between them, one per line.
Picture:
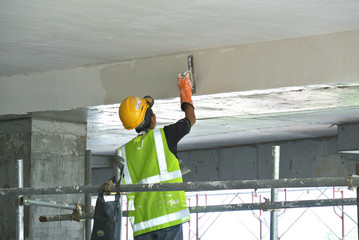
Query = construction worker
x=151 y=157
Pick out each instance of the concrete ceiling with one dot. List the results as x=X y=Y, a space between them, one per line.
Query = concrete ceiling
x=233 y=119
x=38 y=35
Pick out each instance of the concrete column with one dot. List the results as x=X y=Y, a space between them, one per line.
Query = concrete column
x=54 y=155
x=15 y=139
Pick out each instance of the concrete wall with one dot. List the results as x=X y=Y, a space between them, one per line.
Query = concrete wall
x=54 y=155
x=311 y=60
x=299 y=158
x=306 y=158
x=102 y=169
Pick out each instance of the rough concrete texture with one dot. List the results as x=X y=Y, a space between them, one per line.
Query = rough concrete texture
x=53 y=154
x=14 y=144
x=305 y=158
x=57 y=159
x=348 y=135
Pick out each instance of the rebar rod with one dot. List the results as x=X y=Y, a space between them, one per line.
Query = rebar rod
x=66 y=217
x=56 y=218
x=267 y=206
x=350 y=181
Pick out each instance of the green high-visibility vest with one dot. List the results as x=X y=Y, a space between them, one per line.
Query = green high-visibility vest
x=149 y=160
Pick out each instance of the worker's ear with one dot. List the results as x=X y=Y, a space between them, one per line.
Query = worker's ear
x=153 y=121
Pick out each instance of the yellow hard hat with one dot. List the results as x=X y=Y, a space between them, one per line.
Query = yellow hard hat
x=133 y=109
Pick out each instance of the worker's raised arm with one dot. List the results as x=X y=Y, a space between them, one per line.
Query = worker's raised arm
x=184 y=85
x=189 y=111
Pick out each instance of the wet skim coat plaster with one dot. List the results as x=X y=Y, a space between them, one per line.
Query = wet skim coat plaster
x=319 y=59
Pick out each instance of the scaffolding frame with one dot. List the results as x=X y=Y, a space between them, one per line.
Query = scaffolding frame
x=257 y=213
x=351 y=181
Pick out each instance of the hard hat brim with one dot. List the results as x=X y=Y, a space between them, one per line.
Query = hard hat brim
x=149 y=100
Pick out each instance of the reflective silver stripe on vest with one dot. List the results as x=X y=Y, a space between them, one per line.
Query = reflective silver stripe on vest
x=161 y=220
x=127 y=177
x=131 y=207
x=161 y=157
x=162 y=178
x=160 y=151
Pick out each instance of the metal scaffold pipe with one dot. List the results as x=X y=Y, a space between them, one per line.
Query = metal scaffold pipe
x=88 y=207
x=357 y=172
x=270 y=206
x=20 y=212
x=351 y=181
x=50 y=204
x=274 y=193
x=267 y=206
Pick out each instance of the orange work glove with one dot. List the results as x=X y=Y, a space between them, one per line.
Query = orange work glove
x=184 y=85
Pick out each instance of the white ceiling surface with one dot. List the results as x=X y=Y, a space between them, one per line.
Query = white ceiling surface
x=41 y=35
x=232 y=119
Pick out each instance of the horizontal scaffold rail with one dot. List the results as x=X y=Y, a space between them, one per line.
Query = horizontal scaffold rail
x=351 y=181
x=270 y=206
x=266 y=206
x=52 y=204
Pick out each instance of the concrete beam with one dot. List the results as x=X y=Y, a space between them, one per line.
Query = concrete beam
x=293 y=62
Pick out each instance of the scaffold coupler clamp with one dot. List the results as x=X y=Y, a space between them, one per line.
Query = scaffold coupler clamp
x=349 y=181
x=266 y=205
x=108 y=186
x=77 y=213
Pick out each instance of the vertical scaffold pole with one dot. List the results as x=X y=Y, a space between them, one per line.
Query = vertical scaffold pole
x=88 y=180
x=118 y=171
x=20 y=210
x=357 y=172
x=274 y=193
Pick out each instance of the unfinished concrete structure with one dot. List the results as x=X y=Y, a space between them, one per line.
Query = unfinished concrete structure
x=266 y=74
